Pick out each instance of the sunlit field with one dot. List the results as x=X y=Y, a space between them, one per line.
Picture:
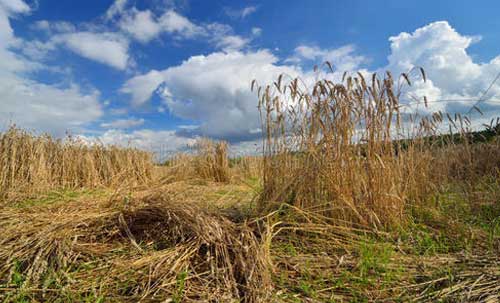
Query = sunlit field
x=350 y=200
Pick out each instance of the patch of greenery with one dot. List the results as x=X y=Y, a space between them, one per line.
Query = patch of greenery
x=375 y=263
x=181 y=284
x=57 y=196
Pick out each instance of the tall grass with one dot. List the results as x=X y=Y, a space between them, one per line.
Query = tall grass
x=208 y=161
x=347 y=151
x=32 y=163
x=247 y=167
x=211 y=161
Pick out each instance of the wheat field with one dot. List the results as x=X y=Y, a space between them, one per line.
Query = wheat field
x=346 y=203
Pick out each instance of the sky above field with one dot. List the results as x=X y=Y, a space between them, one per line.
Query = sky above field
x=156 y=74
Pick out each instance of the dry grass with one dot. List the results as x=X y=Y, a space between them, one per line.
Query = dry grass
x=31 y=164
x=348 y=145
x=247 y=167
x=125 y=249
x=208 y=162
x=211 y=161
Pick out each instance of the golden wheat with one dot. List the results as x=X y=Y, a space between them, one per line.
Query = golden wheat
x=31 y=164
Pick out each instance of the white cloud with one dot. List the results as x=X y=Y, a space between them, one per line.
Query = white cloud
x=162 y=143
x=256 y=31
x=141 y=25
x=123 y=123
x=14 y=6
x=8 y=8
x=104 y=47
x=248 y=11
x=54 y=26
x=42 y=25
x=453 y=74
x=47 y=108
x=35 y=49
x=175 y=23
x=240 y=13
x=32 y=104
x=116 y=9
x=213 y=89
x=231 y=42
x=107 y=48
x=141 y=87
x=342 y=59
x=223 y=37
x=145 y=26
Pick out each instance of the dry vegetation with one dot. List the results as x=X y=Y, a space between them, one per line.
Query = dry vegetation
x=31 y=164
x=347 y=204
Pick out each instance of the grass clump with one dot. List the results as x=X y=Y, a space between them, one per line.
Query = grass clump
x=211 y=161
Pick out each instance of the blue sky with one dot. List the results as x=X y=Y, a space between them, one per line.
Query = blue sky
x=156 y=74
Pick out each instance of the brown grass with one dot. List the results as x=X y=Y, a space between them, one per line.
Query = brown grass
x=209 y=162
x=349 y=146
x=31 y=164
x=133 y=248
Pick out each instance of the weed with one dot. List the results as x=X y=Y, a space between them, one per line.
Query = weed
x=181 y=282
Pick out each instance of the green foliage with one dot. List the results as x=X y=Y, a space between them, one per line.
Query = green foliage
x=57 y=196
x=181 y=284
x=375 y=261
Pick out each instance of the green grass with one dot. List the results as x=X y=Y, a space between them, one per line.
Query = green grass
x=58 y=197
x=180 y=286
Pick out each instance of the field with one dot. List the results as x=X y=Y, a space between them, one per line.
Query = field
x=350 y=201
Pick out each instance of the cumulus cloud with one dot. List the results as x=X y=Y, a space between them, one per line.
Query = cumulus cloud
x=107 y=48
x=14 y=6
x=231 y=42
x=141 y=87
x=175 y=23
x=141 y=26
x=8 y=8
x=32 y=104
x=144 y=26
x=342 y=59
x=223 y=37
x=146 y=139
x=453 y=74
x=123 y=123
x=43 y=107
x=213 y=89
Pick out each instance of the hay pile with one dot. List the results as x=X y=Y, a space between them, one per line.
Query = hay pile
x=148 y=248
